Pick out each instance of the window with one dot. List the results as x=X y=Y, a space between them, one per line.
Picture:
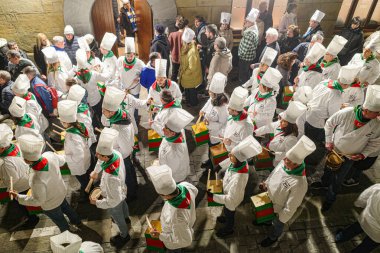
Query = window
x=367 y=10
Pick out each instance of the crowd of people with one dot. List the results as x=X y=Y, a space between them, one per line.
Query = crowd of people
x=297 y=100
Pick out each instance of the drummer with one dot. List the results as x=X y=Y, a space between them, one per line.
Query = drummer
x=287 y=186
x=112 y=184
x=353 y=133
x=303 y=94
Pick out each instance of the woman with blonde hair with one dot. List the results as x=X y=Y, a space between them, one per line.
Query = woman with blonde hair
x=41 y=42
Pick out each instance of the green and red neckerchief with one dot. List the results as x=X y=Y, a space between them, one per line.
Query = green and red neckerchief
x=259 y=76
x=240 y=117
x=243 y=169
x=183 y=200
x=325 y=64
x=356 y=85
x=90 y=59
x=370 y=58
x=83 y=108
x=314 y=67
x=82 y=132
x=108 y=55
x=119 y=116
x=172 y=104
x=299 y=171
x=84 y=75
x=112 y=166
x=128 y=65
x=334 y=85
x=359 y=120
x=40 y=165
x=259 y=97
x=157 y=87
x=29 y=96
x=178 y=138
x=101 y=88
x=26 y=121
x=13 y=150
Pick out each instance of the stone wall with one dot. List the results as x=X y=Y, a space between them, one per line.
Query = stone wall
x=21 y=20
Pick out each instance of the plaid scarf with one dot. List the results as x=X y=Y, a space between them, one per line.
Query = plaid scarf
x=240 y=117
x=243 y=169
x=40 y=165
x=183 y=200
x=13 y=150
x=334 y=85
x=132 y=18
x=112 y=166
x=128 y=65
x=325 y=64
x=299 y=171
x=26 y=121
x=84 y=75
x=359 y=120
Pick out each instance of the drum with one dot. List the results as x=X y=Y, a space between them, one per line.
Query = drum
x=333 y=161
x=154 y=244
x=95 y=193
x=262 y=207
x=200 y=133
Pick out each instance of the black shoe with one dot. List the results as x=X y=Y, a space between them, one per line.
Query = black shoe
x=222 y=233
x=350 y=182
x=326 y=206
x=221 y=219
x=339 y=236
x=318 y=185
x=118 y=241
x=267 y=242
x=207 y=164
x=128 y=220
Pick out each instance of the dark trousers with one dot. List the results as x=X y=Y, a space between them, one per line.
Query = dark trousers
x=244 y=71
x=97 y=114
x=130 y=178
x=317 y=135
x=277 y=229
x=84 y=179
x=56 y=215
x=191 y=96
x=367 y=244
x=175 y=71
x=359 y=166
x=136 y=113
x=230 y=219
x=23 y=209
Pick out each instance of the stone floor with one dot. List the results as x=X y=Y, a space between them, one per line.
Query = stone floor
x=308 y=231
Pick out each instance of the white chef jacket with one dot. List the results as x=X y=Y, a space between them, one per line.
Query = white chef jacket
x=237 y=131
x=129 y=80
x=217 y=119
x=252 y=83
x=92 y=87
x=109 y=67
x=64 y=59
x=370 y=70
x=57 y=80
x=331 y=72
x=353 y=96
x=265 y=109
x=87 y=121
x=174 y=89
x=125 y=140
x=161 y=119
x=34 y=108
x=309 y=78
x=77 y=154
x=21 y=130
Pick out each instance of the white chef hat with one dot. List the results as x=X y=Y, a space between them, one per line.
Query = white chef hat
x=130 y=45
x=178 y=120
x=18 y=107
x=21 y=85
x=318 y=16
x=31 y=147
x=106 y=141
x=303 y=94
x=188 y=35
x=76 y=93
x=162 y=179
x=89 y=38
x=247 y=148
x=6 y=135
x=252 y=15
x=372 y=100
x=374 y=43
x=83 y=44
x=81 y=57
x=238 y=97
x=269 y=56
x=125 y=1
x=113 y=98
x=348 y=73
x=316 y=52
x=303 y=148
x=68 y=30
x=67 y=111
x=160 y=67
x=218 y=83
x=51 y=55
x=336 y=45
x=225 y=18
x=90 y=247
x=271 y=78
x=294 y=110
x=108 y=40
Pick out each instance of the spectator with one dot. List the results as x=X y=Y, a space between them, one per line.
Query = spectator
x=93 y=44
x=6 y=94
x=291 y=40
x=267 y=22
x=175 y=41
x=202 y=42
x=225 y=31
x=116 y=17
x=17 y=63
x=221 y=60
x=148 y=74
x=12 y=45
x=3 y=54
x=212 y=34
x=288 y=19
x=314 y=25
x=128 y=19
x=160 y=44
x=271 y=41
x=64 y=59
x=354 y=35
x=71 y=43
x=41 y=42
x=284 y=65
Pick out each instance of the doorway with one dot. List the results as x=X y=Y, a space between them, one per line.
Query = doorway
x=145 y=28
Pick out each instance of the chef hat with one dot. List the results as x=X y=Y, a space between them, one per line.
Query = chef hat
x=83 y=44
x=160 y=67
x=18 y=107
x=6 y=135
x=372 y=100
x=294 y=110
x=89 y=38
x=162 y=179
x=130 y=45
x=348 y=73
x=31 y=147
x=188 y=35
x=68 y=30
x=336 y=45
x=113 y=98
x=76 y=93
x=178 y=120
x=225 y=18
x=218 y=82
x=303 y=148
x=238 y=97
x=247 y=148
x=271 y=78
x=81 y=57
x=50 y=55
x=108 y=40
x=106 y=141
x=303 y=94
x=252 y=15
x=3 y=42
x=67 y=111
x=374 y=43
x=269 y=56
x=21 y=85
x=90 y=247
x=125 y=1
x=318 y=16
x=316 y=52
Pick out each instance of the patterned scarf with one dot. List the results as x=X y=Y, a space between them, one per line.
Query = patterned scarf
x=240 y=117
x=314 y=67
x=359 y=120
x=84 y=75
x=370 y=58
x=172 y=104
x=259 y=76
x=26 y=121
x=178 y=138
x=243 y=169
x=157 y=87
x=120 y=115
x=112 y=166
x=183 y=200
x=259 y=97
x=299 y=171
x=82 y=132
x=128 y=65
x=83 y=108
x=108 y=55
x=132 y=18
x=325 y=64
x=13 y=150
x=40 y=165
x=334 y=85
x=29 y=96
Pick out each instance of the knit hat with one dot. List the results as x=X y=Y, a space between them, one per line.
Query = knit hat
x=67 y=111
x=31 y=147
x=68 y=30
x=303 y=148
x=6 y=135
x=162 y=179
x=159 y=28
x=21 y=85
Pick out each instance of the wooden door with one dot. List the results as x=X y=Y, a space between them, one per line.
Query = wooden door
x=103 y=21
x=145 y=28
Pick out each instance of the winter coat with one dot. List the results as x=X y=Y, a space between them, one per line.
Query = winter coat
x=160 y=44
x=71 y=48
x=175 y=41
x=354 y=44
x=77 y=154
x=39 y=59
x=190 y=75
x=221 y=62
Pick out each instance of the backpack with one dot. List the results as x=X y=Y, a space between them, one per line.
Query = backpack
x=46 y=96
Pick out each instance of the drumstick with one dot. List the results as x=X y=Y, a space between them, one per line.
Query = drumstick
x=98 y=130
x=98 y=195
x=208 y=177
x=336 y=153
x=51 y=147
x=149 y=224
x=11 y=187
x=88 y=187
x=61 y=134
x=60 y=128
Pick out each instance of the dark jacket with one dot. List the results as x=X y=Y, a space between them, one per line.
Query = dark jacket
x=267 y=18
x=39 y=59
x=200 y=36
x=6 y=97
x=17 y=69
x=354 y=44
x=276 y=47
x=301 y=50
x=125 y=23
x=160 y=44
x=3 y=58
x=209 y=51
x=288 y=44
x=71 y=48
x=309 y=34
